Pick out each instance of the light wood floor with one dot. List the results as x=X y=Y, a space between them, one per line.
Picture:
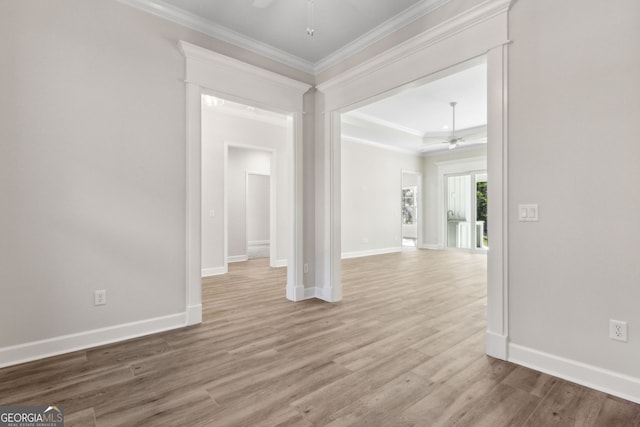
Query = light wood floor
x=404 y=348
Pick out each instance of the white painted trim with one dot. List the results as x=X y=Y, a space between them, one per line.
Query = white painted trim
x=14 y=355
x=209 y=272
x=209 y=72
x=247 y=75
x=496 y=345
x=258 y=242
x=370 y=252
x=194 y=314
x=302 y=293
x=237 y=258
x=187 y=19
x=584 y=374
x=432 y=247
x=381 y=146
x=479 y=32
x=193 y=225
x=324 y=294
x=205 y=26
x=383 y=30
x=498 y=205
x=377 y=121
x=469 y=18
x=279 y=263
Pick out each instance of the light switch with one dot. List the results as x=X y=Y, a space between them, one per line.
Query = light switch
x=528 y=212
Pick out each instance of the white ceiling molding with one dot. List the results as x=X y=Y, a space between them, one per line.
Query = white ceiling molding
x=247 y=82
x=404 y=18
x=385 y=123
x=380 y=145
x=469 y=18
x=197 y=23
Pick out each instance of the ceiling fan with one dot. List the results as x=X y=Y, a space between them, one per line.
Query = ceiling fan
x=456 y=138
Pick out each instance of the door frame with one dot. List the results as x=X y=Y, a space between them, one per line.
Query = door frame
x=228 y=78
x=481 y=31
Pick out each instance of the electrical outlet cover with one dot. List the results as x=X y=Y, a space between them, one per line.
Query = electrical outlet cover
x=618 y=330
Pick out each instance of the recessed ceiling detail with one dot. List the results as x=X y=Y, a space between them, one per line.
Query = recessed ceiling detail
x=420 y=117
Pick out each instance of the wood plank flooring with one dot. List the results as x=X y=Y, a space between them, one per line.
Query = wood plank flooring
x=405 y=347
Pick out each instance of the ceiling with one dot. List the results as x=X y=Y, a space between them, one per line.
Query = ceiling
x=418 y=118
x=414 y=119
x=277 y=28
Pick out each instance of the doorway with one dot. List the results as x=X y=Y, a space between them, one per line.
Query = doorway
x=258 y=215
x=466 y=211
x=410 y=210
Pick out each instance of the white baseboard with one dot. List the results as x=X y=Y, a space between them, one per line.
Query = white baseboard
x=279 y=263
x=496 y=345
x=194 y=314
x=217 y=271
x=28 y=352
x=432 y=247
x=237 y=258
x=590 y=376
x=324 y=294
x=259 y=242
x=358 y=254
x=300 y=293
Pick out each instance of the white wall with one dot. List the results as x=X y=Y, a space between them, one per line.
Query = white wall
x=432 y=191
x=240 y=161
x=371 y=194
x=218 y=128
x=574 y=121
x=92 y=170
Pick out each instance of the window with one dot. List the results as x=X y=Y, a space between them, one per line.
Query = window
x=408 y=205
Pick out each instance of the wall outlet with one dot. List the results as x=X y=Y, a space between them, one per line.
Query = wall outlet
x=365 y=240
x=618 y=330
x=100 y=297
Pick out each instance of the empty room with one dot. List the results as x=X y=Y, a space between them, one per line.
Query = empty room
x=319 y=212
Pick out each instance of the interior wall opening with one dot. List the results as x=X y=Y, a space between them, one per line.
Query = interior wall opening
x=410 y=129
x=246 y=178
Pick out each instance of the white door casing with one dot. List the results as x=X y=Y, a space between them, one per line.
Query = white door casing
x=237 y=81
x=479 y=31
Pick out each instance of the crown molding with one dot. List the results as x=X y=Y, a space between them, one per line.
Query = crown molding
x=206 y=56
x=197 y=23
x=447 y=29
x=383 y=30
x=385 y=123
x=381 y=145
